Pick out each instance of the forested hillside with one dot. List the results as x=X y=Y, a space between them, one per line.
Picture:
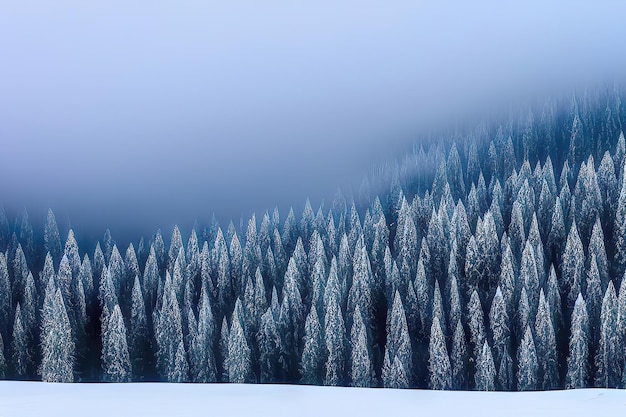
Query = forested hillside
x=489 y=258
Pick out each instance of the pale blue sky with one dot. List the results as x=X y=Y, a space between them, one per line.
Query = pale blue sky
x=190 y=107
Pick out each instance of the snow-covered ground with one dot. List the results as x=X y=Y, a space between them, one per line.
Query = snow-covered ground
x=44 y=399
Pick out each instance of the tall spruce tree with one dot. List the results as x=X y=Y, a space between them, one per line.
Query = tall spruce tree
x=115 y=357
x=577 y=361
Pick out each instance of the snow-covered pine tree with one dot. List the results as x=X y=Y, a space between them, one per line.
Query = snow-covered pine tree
x=139 y=344
x=168 y=331
x=608 y=354
x=440 y=371
x=20 y=354
x=57 y=346
x=577 y=361
x=527 y=379
x=270 y=348
x=361 y=367
x=52 y=239
x=485 y=378
x=239 y=354
x=335 y=340
x=180 y=367
x=458 y=357
x=545 y=343
x=115 y=357
x=5 y=297
x=572 y=267
x=201 y=355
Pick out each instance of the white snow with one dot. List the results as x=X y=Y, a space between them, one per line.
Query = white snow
x=179 y=400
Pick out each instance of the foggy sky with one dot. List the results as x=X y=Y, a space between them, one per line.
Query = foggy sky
x=136 y=115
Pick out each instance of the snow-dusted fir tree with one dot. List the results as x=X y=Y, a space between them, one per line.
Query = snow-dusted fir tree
x=239 y=354
x=335 y=340
x=527 y=363
x=398 y=346
x=168 y=330
x=313 y=360
x=545 y=343
x=115 y=357
x=201 y=355
x=485 y=377
x=269 y=343
x=5 y=297
x=361 y=366
x=52 y=239
x=440 y=371
x=139 y=344
x=20 y=352
x=577 y=361
x=57 y=346
x=608 y=355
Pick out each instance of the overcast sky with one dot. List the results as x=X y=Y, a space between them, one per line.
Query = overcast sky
x=136 y=115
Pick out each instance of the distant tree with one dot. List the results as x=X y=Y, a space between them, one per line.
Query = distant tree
x=52 y=239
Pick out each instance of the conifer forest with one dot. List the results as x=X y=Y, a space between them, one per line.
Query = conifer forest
x=488 y=258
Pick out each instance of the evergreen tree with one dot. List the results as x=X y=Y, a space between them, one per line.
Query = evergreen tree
x=577 y=361
x=57 y=356
x=20 y=354
x=269 y=343
x=545 y=346
x=52 y=239
x=5 y=297
x=139 y=342
x=201 y=355
x=439 y=367
x=398 y=346
x=180 y=368
x=239 y=354
x=313 y=361
x=528 y=368
x=334 y=339
x=458 y=357
x=485 y=378
x=572 y=268
x=476 y=324
x=361 y=369
x=168 y=331
x=115 y=357
x=608 y=355
x=3 y=362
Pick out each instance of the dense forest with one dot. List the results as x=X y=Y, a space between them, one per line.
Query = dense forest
x=489 y=258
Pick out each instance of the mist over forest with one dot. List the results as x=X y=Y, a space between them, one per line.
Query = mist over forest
x=134 y=117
